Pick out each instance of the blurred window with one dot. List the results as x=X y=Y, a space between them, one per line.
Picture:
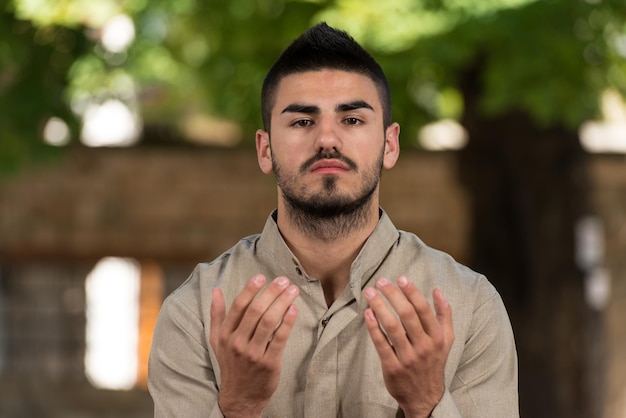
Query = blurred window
x=112 y=309
x=123 y=300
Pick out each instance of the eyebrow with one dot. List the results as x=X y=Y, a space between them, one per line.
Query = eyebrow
x=312 y=109
x=301 y=108
x=357 y=104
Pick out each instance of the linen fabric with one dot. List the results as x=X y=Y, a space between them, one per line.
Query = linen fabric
x=330 y=367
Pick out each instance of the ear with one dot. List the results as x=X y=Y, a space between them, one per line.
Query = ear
x=264 y=151
x=392 y=145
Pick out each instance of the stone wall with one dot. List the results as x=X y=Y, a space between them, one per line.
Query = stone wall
x=176 y=207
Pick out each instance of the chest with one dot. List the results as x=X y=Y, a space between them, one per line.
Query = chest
x=330 y=368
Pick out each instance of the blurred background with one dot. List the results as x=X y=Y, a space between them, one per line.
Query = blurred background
x=127 y=156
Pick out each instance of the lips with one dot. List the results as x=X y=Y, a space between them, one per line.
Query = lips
x=329 y=166
x=328 y=162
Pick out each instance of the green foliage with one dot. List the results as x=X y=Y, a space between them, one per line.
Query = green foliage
x=536 y=61
x=549 y=58
x=33 y=66
x=203 y=56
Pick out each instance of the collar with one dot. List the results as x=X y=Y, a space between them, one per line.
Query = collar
x=282 y=262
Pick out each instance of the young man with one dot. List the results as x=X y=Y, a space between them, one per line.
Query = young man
x=328 y=312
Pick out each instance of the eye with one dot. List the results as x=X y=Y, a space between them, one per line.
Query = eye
x=352 y=121
x=302 y=123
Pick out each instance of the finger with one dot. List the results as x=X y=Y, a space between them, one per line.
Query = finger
x=390 y=324
x=383 y=348
x=444 y=316
x=426 y=315
x=218 y=312
x=277 y=344
x=241 y=302
x=410 y=320
x=271 y=320
x=258 y=307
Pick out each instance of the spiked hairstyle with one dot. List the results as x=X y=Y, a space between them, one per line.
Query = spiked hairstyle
x=323 y=47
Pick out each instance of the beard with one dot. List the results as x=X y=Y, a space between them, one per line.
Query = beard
x=328 y=214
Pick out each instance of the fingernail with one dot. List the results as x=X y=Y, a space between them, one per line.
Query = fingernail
x=382 y=282
x=369 y=293
x=440 y=295
x=258 y=280
x=292 y=310
x=403 y=281
x=292 y=290
x=282 y=281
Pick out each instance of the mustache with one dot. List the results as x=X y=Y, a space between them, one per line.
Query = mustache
x=328 y=155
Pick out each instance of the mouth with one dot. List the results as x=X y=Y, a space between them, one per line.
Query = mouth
x=329 y=167
x=328 y=163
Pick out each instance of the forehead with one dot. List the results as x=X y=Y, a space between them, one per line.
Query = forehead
x=326 y=85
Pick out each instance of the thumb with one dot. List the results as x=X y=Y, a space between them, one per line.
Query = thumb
x=443 y=311
x=218 y=313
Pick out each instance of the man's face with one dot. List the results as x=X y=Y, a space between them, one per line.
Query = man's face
x=328 y=144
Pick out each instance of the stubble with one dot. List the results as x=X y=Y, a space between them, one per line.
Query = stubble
x=328 y=213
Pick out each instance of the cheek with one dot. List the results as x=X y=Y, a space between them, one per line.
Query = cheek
x=291 y=154
x=285 y=162
x=370 y=154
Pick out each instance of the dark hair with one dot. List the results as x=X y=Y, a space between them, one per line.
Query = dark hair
x=323 y=47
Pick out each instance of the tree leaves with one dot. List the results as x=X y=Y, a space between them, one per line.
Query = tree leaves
x=549 y=58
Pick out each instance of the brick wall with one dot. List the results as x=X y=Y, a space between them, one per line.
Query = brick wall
x=188 y=204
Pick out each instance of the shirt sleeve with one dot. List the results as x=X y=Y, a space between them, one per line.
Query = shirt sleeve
x=446 y=407
x=485 y=384
x=181 y=379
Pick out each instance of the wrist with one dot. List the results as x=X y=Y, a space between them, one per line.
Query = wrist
x=421 y=409
x=239 y=409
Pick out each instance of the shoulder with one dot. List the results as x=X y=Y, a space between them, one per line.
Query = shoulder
x=228 y=271
x=436 y=268
x=474 y=300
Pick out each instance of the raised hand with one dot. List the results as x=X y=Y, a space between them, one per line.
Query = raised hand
x=249 y=342
x=413 y=346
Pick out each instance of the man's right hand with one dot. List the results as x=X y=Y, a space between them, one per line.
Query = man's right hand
x=249 y=342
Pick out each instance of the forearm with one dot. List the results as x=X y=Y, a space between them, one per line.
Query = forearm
x=181 y=378
x=484 y=384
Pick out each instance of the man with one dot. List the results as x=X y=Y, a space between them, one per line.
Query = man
x=327 y=312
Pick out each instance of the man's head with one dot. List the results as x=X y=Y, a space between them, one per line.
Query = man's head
x=327 y=104
x=323 y=47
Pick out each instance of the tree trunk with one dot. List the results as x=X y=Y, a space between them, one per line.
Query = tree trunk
x=528 y=188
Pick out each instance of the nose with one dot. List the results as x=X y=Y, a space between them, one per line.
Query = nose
x=327 y=138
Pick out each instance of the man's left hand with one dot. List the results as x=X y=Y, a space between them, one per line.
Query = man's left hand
x=413 y=346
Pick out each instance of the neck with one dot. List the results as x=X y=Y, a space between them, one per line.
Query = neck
x=326 y=247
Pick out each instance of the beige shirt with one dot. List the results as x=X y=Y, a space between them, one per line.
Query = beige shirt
x=330 y=366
